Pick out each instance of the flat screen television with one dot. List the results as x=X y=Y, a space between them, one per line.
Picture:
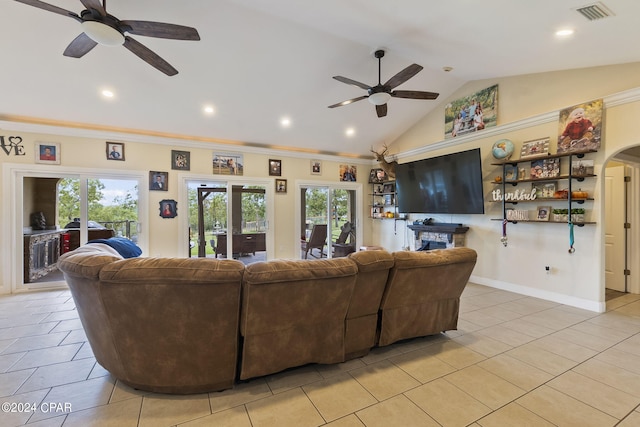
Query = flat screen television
x=449 y=184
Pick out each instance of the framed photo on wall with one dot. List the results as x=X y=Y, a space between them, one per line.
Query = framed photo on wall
x=580 y=127
x=168 y=208
x=275 y=167
x=158 y=181
x=281 y=185
x=316 y=167
x=228 y=163
x=180 y=160
x=348 y=173
x=48 y=152
x=115 y=151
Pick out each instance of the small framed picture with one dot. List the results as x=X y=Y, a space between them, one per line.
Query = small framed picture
x=281 y=185
x=115 y=151
x=316 y=167
x=544 y=190
x=275 y=167
x=545 y=168
x=510 y=173
x=168 y=208
x=48 y=152
x=158 y=181
x=377 y=175
x=543 y=213
x=535 y=147
x=180 y=160
x=582 y=167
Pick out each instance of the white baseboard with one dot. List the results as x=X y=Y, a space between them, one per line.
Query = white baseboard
x=597 y=306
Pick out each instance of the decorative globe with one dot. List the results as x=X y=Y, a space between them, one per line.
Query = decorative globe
x=502 y=149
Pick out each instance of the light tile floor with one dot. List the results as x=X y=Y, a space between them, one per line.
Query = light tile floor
x=515 y=361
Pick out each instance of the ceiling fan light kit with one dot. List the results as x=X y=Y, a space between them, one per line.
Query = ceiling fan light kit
x=102 y=33
x=101 y=28
x=380 y=94
x=379 y=98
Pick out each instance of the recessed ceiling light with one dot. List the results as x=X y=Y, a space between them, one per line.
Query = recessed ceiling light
x=208 y=109
x=285 y=122
x=564 y=32
x=350 y=132
x=107 y=93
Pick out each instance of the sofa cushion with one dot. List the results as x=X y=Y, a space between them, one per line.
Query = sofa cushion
x=77 y=263
x=293 y=313
x=125 y=247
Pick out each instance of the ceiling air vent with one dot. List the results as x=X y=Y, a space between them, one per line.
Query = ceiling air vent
x=595 y=11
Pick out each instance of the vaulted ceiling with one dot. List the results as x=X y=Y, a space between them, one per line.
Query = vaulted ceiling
x=261 y=61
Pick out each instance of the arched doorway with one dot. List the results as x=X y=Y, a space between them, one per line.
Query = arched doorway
x=620 y=223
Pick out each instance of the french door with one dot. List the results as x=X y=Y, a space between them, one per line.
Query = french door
x=339 y=207
x=44 y=204
x=229 y=220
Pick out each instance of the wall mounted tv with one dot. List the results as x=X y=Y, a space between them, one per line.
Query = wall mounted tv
x=449 y=184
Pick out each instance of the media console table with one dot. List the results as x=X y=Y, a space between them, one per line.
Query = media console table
x=439 y=235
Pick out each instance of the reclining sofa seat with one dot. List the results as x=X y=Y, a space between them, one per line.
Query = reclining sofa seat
x=165 y=325
x=293 y=313
x=422 y=296
x=362 y=317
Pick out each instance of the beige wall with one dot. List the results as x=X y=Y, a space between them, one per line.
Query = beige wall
x=87 y=156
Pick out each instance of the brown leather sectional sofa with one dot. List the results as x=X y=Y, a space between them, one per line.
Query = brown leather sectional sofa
x=175 y=325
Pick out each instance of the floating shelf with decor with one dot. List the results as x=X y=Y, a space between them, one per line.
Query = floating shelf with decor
x=544 y=173
x=383 y=200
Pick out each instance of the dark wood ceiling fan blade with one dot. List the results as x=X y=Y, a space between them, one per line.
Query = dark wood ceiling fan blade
x=349 y=101
x=80 y=46
x=381 y=110
x=414 y=94
x=160 y=30
x=94 y=4
x=51 y=8
x=149 y=56
x=352 y=82
x=403 y=76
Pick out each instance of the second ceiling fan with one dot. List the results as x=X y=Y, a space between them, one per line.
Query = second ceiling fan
x=379 y=94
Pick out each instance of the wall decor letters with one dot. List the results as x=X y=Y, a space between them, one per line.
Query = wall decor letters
x=12 y=144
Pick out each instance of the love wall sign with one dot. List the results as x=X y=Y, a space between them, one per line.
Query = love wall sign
x=12 y=145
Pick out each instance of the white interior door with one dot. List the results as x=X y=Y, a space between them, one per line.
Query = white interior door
x=614 y=228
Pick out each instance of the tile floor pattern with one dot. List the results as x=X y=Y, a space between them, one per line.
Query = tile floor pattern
x=515 y=361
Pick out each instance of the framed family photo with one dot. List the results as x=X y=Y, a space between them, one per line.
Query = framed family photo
x=228 y=163
x=48 y=152
x=348 y=172
x=180 y=160
x=115 y=151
